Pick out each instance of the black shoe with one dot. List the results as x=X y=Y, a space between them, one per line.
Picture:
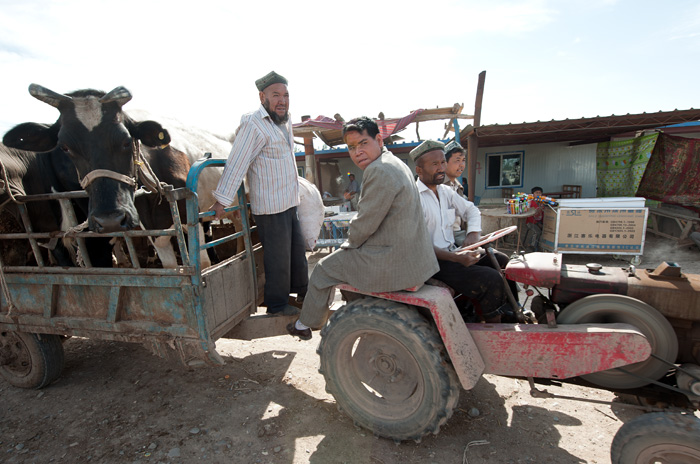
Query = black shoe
x=294 y=332
x=288 y=310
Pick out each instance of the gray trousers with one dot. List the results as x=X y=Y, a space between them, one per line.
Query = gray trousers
x=314 y=312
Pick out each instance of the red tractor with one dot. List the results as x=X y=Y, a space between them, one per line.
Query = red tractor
x=395 y=361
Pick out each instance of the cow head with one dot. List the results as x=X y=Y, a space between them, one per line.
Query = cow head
x=94 y=145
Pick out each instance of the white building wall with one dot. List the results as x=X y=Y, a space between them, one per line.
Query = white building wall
x=547 y=165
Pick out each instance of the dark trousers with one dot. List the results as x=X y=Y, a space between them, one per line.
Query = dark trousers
x=480 y=283
x=502 y=259
x=286 y=269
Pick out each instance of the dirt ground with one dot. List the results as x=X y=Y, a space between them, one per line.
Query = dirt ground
x=116 y=402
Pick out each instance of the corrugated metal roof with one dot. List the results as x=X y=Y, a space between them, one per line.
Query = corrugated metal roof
x=584 y=130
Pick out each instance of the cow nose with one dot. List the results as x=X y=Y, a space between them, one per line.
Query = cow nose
x=113 y=222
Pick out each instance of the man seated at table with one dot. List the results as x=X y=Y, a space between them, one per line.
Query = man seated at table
x=467 y=272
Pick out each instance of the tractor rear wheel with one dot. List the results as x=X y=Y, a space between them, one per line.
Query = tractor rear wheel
x=657 y=438
x=30 y=360
x=387 y=369
x=596 y=309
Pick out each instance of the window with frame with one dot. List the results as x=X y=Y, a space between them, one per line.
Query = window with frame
x=504 y=169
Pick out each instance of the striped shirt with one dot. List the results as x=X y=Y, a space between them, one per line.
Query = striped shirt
x=263 y=151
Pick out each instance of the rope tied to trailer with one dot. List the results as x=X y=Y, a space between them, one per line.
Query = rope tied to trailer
x=146 y=175
x=6 y=186
x=73 y=230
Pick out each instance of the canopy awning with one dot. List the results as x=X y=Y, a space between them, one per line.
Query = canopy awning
x=330 y=129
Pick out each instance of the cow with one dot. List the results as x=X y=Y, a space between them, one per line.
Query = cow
x=27 y=173
x=96 y=146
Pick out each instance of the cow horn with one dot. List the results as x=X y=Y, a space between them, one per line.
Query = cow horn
x=119 y=95
x=47 y=96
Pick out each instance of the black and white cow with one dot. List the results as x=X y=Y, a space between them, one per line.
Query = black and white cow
x=28 y=173
x=95 y=146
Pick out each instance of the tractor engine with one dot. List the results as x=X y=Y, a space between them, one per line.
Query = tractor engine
x=667 y=289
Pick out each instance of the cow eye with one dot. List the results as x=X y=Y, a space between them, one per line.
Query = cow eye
x=65 y=148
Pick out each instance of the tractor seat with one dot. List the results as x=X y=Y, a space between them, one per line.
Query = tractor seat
x=439 y=283
x=415 y=288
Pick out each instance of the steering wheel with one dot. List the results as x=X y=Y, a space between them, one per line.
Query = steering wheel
x=493 y=236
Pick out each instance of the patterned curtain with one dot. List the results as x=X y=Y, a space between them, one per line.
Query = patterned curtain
x=620 y=165
x=673 y=172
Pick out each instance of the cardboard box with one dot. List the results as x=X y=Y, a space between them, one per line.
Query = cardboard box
x=595 y=230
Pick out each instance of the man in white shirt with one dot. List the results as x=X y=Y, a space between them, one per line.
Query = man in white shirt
x=263 y=150
x=468 y=273
x=456 y=162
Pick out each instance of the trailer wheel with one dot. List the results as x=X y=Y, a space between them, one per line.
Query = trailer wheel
x=386 y=367
x=657 y=438
x=30 y=360
x=628 y=310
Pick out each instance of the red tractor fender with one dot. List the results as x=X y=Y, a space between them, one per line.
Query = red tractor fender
x=460 y=346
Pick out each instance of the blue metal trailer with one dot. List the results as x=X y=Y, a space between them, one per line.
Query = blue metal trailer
x=182 y=310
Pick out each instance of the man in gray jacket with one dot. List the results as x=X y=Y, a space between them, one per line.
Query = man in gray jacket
x=388 y=246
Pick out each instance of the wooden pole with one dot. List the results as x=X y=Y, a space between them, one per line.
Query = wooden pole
x=455 y=125
x=472 y=140
x=309 y=157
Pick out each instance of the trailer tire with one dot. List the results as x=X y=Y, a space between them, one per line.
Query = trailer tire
x=386 y=367
x=628 y=310
x=33 y=361
x=657 y=437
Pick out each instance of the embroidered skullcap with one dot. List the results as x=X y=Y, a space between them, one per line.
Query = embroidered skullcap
x=425 y=147
x=452 y=146
x=269 y=79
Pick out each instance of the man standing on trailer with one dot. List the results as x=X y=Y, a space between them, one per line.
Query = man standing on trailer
x=263 y=150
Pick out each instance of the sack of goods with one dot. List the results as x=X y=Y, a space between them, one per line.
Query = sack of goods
x=311 y=212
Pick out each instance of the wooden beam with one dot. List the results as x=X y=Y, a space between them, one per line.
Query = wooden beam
x=472 y=140
x=479 y=98
x=472 y=150
x=437 y=117
x=309 y=160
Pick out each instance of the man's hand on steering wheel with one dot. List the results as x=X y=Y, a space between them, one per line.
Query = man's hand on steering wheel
x=466 y=257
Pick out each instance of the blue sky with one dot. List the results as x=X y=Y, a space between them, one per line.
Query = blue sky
x=197 y=61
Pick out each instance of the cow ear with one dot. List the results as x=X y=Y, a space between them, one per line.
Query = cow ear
x=32 y=136
x=151 y=134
